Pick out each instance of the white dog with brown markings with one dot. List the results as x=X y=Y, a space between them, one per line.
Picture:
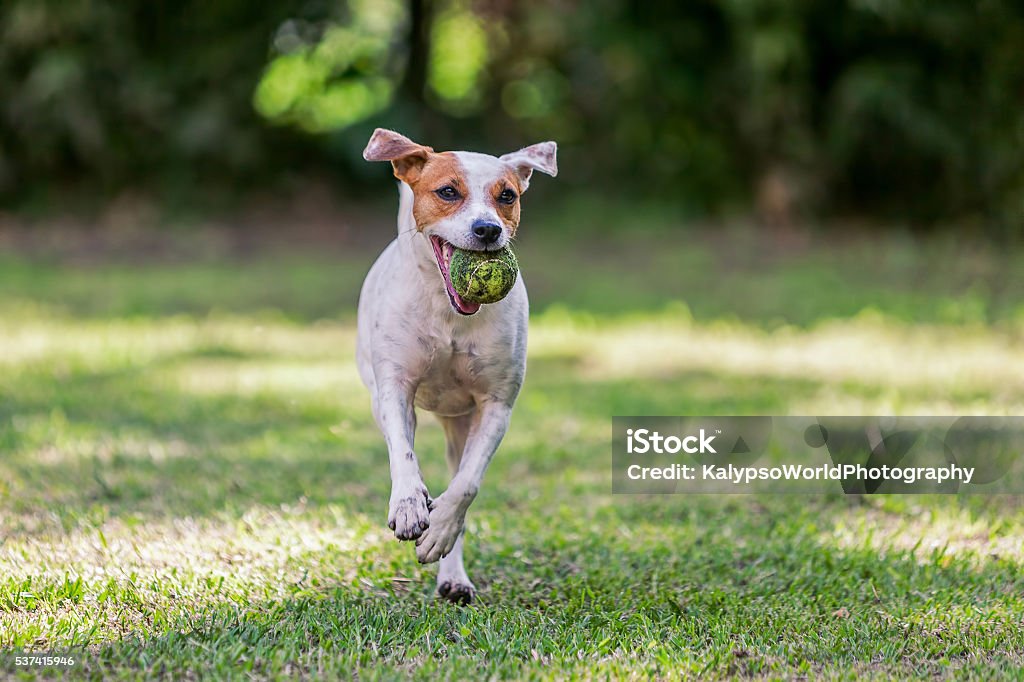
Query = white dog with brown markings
x=421 y=345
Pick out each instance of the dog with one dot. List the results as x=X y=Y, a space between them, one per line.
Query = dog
x=421 y=345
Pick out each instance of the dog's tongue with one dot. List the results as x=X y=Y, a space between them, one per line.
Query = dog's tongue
x=444 y=258
x=461 y=304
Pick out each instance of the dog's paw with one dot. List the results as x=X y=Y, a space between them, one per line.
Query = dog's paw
x=459 y=591
x=446 y=523
x=409 y=512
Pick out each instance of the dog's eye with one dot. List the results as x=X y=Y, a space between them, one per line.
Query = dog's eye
x=507 y=196
x=448 y=193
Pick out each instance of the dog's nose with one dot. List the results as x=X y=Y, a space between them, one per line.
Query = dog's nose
x=488 y=233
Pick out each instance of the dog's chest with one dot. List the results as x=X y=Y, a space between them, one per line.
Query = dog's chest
x=458 y=372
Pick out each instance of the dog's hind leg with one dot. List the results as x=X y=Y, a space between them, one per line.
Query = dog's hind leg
x=452 y=581
x=456 y=430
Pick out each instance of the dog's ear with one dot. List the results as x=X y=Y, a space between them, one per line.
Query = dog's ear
x=405 y=156
x=541 y=156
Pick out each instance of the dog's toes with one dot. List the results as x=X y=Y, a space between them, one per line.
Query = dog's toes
x=457 y=592
x=406 y=535
x=437 y=541
x=428 y=547
x=410 y=518
x=424 y=552
x=410 y=530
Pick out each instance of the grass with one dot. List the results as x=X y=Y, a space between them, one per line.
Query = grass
x=191 y=482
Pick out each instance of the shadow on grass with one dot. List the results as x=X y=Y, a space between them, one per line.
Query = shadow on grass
x=133 y=444
x=127 y=443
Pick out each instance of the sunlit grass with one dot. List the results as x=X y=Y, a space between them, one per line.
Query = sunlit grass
x=931 y=532
x=924 y=369
x=205 y=490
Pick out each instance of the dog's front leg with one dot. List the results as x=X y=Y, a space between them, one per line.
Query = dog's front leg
x=408 y=509
x=448 y=511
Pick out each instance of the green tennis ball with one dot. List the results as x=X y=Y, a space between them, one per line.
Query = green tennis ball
x=483 y=276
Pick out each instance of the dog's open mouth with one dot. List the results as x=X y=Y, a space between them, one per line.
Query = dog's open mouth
x=443 y=252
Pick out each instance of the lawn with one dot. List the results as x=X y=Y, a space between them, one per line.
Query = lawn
x=191 y=481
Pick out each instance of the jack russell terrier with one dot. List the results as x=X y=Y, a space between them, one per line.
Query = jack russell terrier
x=420 y=344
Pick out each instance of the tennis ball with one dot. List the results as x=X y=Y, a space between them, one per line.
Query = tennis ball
x=483 y=276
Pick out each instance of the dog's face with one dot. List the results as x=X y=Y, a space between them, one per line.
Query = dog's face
x=462 y=199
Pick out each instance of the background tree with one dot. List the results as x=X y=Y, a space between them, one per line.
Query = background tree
x=889 y=111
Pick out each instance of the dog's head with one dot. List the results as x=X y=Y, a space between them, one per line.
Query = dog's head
x=462 y=199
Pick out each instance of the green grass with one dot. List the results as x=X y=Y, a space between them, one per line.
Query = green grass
x=190 y=479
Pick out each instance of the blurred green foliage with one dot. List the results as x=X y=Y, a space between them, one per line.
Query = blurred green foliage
x=907 y=110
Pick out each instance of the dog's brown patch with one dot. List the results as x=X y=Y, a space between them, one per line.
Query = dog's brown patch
x=407 y=157
x=509 y=213
x=440 y=170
